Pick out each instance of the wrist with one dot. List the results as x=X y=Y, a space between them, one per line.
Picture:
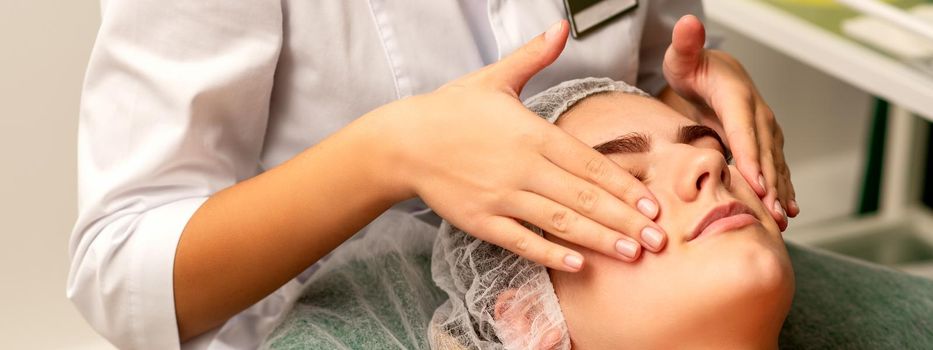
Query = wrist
x=385 y=164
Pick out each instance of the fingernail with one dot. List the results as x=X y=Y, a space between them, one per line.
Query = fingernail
x=627 y=248
x=761 y=182
x=647 y=207
x=573 y=261
x=778 y=208
x=553 y=31
x=653 y=237
x=792 y=204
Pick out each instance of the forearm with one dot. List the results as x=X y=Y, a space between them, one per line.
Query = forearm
x=253 y=237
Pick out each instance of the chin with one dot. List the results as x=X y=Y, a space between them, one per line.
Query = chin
x=759 y=288
x=731 y=291
x=735 y=293
x=757 y=261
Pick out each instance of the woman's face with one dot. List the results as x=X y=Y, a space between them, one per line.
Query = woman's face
x=730 y=286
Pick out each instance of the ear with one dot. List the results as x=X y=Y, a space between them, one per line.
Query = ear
x=510 y=313
x=514 y=316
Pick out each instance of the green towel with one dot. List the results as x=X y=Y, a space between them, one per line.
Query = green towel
x=375 y=292
x=384 y=301
x=843 y=303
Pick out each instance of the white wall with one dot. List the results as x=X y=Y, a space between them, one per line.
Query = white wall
x=45 y=46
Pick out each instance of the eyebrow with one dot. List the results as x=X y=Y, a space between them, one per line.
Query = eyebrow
x=640 y=143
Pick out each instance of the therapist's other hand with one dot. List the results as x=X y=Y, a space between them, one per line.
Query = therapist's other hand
x=724 y=97
x=484 y=162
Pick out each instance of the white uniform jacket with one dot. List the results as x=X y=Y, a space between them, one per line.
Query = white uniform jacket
x=183 y=98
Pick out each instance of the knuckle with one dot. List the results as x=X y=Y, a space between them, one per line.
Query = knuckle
x=587 y=199
x=597 y=169
x=768 y=116
x=532 y=139
x=482 y=225
x=561 y=220
x=767 y=159
x=495 y=200
x=521 y=243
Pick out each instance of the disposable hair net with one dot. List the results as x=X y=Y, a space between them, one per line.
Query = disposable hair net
x=497 y=299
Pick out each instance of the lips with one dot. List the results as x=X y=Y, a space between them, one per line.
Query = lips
x=723 y=218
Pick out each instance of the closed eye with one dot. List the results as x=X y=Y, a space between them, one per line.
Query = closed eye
x=640 y=143
x=638 y=174
x=691 y=133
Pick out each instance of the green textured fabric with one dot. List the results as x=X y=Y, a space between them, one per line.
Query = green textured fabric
x=395 y=305
x=840 y=303
x=376 y=292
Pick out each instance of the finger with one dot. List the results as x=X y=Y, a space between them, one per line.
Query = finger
x=771 y=200
x=584 y=162
x=772 y=159
x=513 y=71
x=570 y=226
x=739 y=123
x=509 y=234
x=775 y=209
x=783 y=183
x=793 y=209
x=786 y=193
x=785 y=186
x=685 y=52
x=780 y=179
x=765 y=139
x=594 y=203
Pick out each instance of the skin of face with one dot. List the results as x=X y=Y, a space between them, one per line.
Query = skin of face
x=729 y=290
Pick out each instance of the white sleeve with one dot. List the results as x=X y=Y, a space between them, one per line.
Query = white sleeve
x=174 y=108
x=656 y=37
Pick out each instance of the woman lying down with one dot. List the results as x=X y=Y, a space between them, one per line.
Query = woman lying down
x=724 y=281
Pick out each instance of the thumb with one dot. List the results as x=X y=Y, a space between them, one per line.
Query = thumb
x=685 y=54
x=514 y=70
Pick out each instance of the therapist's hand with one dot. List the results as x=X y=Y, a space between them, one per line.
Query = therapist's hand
x=723 y=96
x=484 y=162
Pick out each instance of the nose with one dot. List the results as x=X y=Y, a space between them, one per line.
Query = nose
x=706 y=170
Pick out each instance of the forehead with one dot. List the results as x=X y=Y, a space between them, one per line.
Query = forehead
x=604 y=117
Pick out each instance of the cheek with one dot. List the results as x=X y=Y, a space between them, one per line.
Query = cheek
x=737 y=184
x=605 y=298
x=744 y=192
x=624 y=302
